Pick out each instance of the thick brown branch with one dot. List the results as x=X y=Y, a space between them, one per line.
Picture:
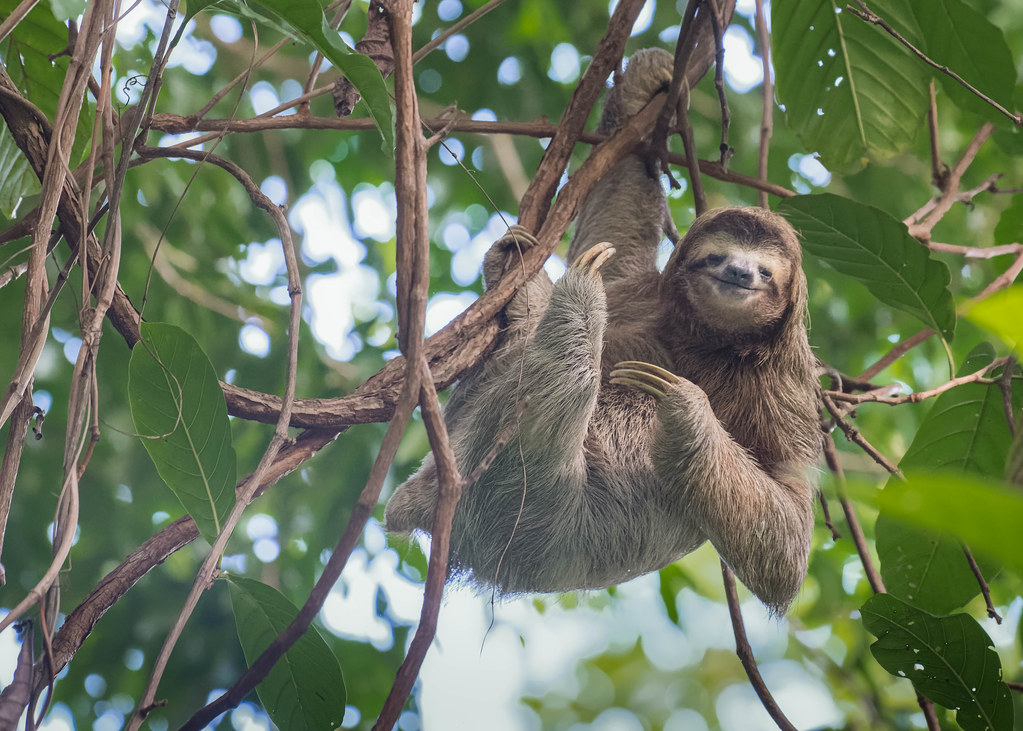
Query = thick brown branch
x=536 y=202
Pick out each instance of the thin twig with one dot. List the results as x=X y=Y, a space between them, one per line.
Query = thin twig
x=927 y=706
x=859 y=540
x=976 y=252
x=828 y=523
x=863 y=551
x=719 y=85
x=699 y=196
x=894 y=354
x=178 y=124
x=1005 y=386
x=745 y=653
x=941 y=205
x=854 y=436
x=684 y=46
x=16 y=16
x=314 y=68
x=918 y=396
x=1003 y=280
x=435 y=43
x=767 y=101
x=982 y=582
x=866 y=14
x=240 y=78
x=939 y=170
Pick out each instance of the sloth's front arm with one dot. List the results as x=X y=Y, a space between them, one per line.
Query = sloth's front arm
x=760 y=523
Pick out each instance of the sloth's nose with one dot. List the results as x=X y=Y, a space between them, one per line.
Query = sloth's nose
x=737 y=274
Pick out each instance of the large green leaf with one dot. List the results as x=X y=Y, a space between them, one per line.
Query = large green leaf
x=1000 y=314
x=305 y=689
x=949 y=659
x=180 y=413
x=955 y=35
x=851 y=91
x=964 y=433
x=869 y=245
x=307 y=17
x=986 y=514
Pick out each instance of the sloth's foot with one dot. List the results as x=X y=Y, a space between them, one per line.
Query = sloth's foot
x=648 y=73
x=505 y=251
x=591 y=260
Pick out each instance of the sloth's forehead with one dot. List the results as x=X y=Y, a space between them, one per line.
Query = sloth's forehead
x=724 y=242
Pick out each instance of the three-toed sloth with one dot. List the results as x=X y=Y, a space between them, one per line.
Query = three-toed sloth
x=648 y=412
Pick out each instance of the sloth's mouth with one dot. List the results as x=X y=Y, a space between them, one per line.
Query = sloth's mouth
x=731 y=285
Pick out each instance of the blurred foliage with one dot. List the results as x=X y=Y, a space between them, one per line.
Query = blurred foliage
x=216 y=278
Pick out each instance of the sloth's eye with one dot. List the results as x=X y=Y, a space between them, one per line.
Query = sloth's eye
x=765 y=273
x=714 y=259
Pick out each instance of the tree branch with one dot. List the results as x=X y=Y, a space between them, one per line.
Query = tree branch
x=745 y=653
x=767 y=101
x=918 y=396
x=854 y=436
x=536 y=201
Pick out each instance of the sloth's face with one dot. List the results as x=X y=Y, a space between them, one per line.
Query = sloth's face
x=737 y=286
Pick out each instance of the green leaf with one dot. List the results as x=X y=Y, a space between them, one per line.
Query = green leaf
x=26 y=57
x=926 y=568
x=307 y=17
x=1000 y=314
x=986 y=514
x=965 y=431
x=955 y=35
x=17 y=180
x=1009 y=229
x=65 y=10
x=672 y=580
x=305 y=689
x=849 y=89
x=949 y=659
x=869 y=245
x=180 y=413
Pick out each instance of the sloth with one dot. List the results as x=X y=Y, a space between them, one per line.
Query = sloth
x=648 y=411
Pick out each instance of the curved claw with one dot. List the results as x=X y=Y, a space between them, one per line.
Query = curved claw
x=517 y=236
x=594 y=258
x=644 y=376
x=639 y=365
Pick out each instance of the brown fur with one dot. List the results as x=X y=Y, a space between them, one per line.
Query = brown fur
x=603 y=482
